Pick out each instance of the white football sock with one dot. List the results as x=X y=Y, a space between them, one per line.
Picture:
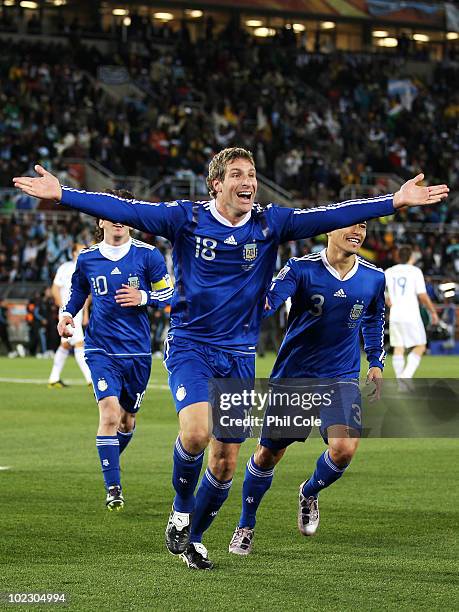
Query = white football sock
x=412 y=364
x=398 y=363
x=59 y=360
x=79 y=356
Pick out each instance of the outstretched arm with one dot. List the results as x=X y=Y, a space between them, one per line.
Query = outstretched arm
x=159 y=218
x=300 y=223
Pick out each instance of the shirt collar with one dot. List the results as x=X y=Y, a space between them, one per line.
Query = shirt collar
x=221 y=219
x=115 y=253
x=334 y=272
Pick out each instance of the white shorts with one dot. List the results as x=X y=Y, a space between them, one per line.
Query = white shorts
x=407 y=333
x=78 y=334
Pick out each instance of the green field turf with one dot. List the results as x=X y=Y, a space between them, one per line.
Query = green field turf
x=387 y=540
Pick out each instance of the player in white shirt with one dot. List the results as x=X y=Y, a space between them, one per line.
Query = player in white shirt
x=61 y=293
x=405 y=288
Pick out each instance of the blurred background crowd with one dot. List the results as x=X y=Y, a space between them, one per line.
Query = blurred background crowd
x=322 y=123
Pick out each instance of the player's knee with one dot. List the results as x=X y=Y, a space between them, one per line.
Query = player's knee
x=127 y=422
x=420 y=350
x=343 y=450
x=222 y=467
x=109 y=413
x=195 y=439
x=265 y=458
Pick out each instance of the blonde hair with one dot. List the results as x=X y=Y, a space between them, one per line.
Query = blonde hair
x=219 y=163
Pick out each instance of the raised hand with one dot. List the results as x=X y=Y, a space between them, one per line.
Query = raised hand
x=45 y=186
x=412 y=194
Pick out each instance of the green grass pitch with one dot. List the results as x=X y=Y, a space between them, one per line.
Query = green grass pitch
x=387 y=538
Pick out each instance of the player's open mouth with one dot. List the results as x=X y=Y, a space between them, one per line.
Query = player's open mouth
x=118 y=225
x=354 y=241
x=244 y=195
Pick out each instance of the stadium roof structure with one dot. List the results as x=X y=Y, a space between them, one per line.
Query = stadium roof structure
x=417 y=12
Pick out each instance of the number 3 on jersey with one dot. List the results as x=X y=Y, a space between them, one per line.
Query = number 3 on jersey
x=205 y=248
x=318 y=300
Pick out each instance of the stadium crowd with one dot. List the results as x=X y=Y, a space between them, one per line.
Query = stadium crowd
x=316 y=123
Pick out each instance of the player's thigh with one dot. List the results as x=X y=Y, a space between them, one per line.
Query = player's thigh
x=189 y=370
x=341 y=411
x=136 y=374
x=106 y=375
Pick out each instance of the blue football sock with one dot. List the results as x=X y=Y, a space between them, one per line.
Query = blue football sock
x=325 y=474
x=109 y=454
x=210 y=497
x=185 y=476
x=124 y=438
x=256 y=482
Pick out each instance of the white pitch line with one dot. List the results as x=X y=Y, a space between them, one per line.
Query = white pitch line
x=4 y=468
x=72 y=382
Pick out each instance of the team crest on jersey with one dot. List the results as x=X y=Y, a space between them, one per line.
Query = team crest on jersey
x=133 y=281
x=356 y=311
x=102 y=384
x=180 y=394
x=250 y=252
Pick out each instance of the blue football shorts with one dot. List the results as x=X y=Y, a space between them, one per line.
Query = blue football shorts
x=343 y=407
x=191 y=365
x=123 y=377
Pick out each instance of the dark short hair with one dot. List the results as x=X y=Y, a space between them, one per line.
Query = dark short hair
x=120 y=193
x=404 y=254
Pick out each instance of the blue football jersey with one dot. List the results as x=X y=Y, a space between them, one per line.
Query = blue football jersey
x=326 y=316
x=113 y=329
x=222 y=270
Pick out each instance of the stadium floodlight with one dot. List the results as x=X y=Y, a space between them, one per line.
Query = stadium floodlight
x=388 y=42
x=163 y=16
x=264 y=32
x=253 y=23
x=421 y=37
x=328 y=25
x=452 y=35
x=28 y=5
x=120 y=12
x=298 y=27
x=380 y=34
x=127 y=21
x=447 y=287
x=9 y=2
x=194 y=13
x=59 y=2
x=449 y=294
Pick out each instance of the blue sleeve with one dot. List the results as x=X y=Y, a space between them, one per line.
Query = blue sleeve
x=157 y=218
x=373 y=328
x=162 y=289
x=79 y=291
x=282 y=287
x=298 y=223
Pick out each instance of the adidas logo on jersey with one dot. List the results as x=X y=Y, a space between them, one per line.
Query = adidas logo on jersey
x=115 y=271
x=231 y=240
x=340 y=293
